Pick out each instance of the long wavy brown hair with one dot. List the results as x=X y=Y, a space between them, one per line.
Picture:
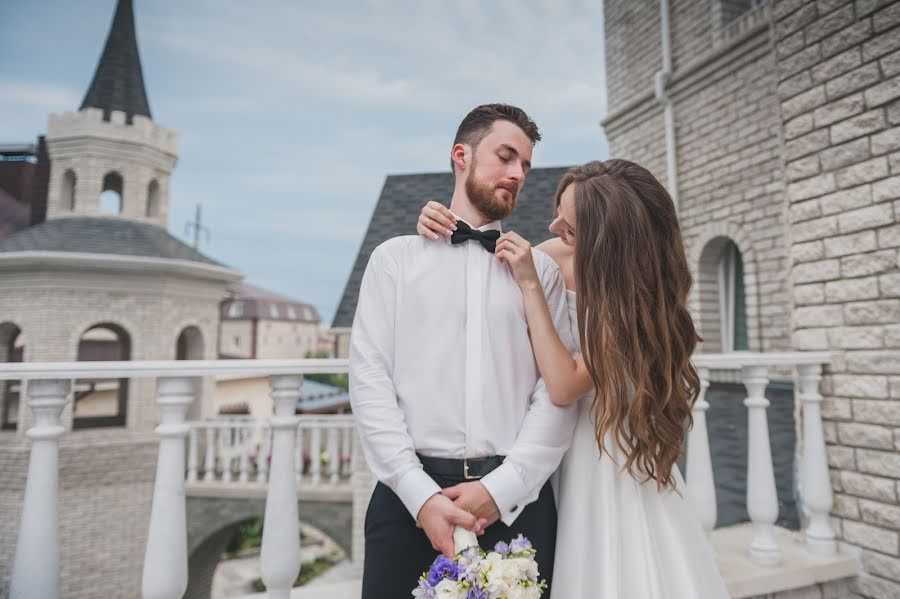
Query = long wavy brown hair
x=636 y=333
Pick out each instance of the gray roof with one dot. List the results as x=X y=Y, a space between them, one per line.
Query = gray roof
x=248 y=301
x=402 y=198
x=118 y=82
x=321 y=397
x=92 y=235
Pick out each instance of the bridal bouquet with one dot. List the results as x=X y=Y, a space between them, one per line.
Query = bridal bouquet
x=507 y=572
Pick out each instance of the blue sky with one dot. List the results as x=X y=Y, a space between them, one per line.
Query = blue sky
x=291 y=114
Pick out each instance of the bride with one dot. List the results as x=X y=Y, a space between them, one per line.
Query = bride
x=624 y=528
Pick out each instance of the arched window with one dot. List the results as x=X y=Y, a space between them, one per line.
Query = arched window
x=111 y=194
x=732 y=300
x=12 y=349
x=69 y=183
x=723 y=303
x=102 y=402
x=189 y=345
x=153 y=198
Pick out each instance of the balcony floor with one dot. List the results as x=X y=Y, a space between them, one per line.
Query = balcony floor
x=743 y=577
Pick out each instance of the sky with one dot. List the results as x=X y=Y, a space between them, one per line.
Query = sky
x=292 y=113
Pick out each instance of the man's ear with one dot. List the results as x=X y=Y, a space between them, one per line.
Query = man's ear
x=460 y=156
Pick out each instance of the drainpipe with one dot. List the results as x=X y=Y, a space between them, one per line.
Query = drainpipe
x=660 y=81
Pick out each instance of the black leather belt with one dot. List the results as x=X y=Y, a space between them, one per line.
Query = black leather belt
x=461 y=468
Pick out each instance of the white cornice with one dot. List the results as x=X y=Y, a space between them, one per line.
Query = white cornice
x=117 y=262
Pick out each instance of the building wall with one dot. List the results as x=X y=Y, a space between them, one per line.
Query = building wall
x=286 y=339
x=106 y=475
x=838 y=65
x=236 y=338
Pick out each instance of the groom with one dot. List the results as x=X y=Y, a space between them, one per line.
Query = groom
x=453 y=418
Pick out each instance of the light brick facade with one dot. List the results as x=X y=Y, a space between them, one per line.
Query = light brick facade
x=788 y=144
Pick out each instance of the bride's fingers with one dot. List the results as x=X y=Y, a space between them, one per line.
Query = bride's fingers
x=424 y=230
x=433 y=224
x=440 y=215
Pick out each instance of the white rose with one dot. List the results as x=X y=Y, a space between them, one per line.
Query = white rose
x=449 y=589
x=463 y=539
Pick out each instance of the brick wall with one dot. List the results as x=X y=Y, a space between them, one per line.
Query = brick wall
x=839 y=90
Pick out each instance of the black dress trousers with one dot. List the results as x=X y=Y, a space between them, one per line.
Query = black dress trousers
x=397 y=552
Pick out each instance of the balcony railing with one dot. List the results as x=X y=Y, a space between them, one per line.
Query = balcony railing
x=287 y=453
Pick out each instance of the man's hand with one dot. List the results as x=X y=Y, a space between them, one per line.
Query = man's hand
x=474 y=498
x=438 y=516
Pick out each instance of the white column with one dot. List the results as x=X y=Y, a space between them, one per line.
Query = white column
x=280 y=552
x=262 y=460
x=192 y=455
x=346 y=451
x=315 y=454
x=762 y=499
x=814 y=469
x=209 y=465
x=166 y=559
x=245 y=434
x=701 y=488
x=298 y=454
x=334 y=454
x=36 y=565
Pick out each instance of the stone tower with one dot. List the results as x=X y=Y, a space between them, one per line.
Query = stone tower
x=111 y=144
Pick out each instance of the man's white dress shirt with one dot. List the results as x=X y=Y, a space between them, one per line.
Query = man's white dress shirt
x=441 y=364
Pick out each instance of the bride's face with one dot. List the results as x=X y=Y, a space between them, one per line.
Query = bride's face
x=564 y=223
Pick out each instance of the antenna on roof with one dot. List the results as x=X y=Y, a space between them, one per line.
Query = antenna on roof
x=197 y=226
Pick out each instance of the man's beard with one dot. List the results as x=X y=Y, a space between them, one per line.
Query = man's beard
x=484 y=198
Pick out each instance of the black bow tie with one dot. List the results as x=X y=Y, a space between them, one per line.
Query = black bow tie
x=488 y=239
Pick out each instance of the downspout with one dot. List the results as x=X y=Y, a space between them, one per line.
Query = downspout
x=660 y=81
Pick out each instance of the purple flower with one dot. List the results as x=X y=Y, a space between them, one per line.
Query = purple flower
x=476 y=593
x=501 y=548
x=519 y=544
x=423 y=591
x=442 y=568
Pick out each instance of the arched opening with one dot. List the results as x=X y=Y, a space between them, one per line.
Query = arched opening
x=111 y=194
x=153 y=199
x=69 y=183
x=102 y=402
x=189 y=345
x=723 y=298
x=12 y=349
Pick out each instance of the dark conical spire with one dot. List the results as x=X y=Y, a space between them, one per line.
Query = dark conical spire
x=118 y=83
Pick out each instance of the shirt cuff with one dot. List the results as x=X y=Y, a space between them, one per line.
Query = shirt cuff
x=414 y=489
x=508 y=491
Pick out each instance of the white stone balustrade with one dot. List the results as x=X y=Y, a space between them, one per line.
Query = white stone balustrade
x=36 y=569
x=762 y=500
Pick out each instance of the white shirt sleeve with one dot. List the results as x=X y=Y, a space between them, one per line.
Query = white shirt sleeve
x=547 y=431
x=383 y=433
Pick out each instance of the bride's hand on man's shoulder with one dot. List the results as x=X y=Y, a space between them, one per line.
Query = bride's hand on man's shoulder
x=436 y=220
x=515 y=250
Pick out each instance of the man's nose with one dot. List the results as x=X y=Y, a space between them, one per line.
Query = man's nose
x=516 y=172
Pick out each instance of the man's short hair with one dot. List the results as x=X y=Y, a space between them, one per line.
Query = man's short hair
x=480 y=119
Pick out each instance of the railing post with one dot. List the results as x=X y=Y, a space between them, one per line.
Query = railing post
x=36 y=566
x=762 y=499
x=209 y=465
x=262 y=459
x=315 y=454
x=166 y=561
x=334 y=454
x=298 y=454
x=280 y=553
x=192 y=455
x=701 y=488
x=814 y=469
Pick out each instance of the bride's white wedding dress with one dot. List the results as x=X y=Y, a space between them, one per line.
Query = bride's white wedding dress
x=618 y=538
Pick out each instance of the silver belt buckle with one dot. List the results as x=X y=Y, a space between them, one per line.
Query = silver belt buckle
x=466 y=474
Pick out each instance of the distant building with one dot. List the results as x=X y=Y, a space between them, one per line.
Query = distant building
x=256 y=324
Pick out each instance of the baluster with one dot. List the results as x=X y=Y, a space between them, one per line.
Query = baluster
x=165 y=561
x=814 y=469
x=192 y=455
x=298 y=465
x=315 y=453
x=36 y=564
x=762 y=499
x=226 y=445
x=701 y=488
x=262 y=462
x=209 y=464
x=245 y=434
x=334 y=454
x=346 y=451
x=280 y=553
